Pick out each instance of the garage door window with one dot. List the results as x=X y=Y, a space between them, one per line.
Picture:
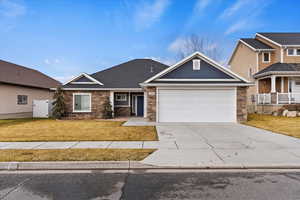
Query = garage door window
x=82 y=102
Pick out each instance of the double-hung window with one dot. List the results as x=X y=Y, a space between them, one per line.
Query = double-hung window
x=266 y=57
x=22 y=99
x=82 y=102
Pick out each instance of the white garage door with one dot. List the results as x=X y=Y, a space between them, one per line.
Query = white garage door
x=197 y=105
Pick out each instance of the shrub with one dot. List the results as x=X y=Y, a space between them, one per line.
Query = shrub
x=107 y=109
x=59 y=107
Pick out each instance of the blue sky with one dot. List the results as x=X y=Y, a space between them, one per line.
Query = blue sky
x=65 y=37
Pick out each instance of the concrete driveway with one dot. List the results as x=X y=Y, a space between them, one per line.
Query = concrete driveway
x=222 y=145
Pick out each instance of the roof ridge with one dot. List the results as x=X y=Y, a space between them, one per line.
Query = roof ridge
x=119 y=65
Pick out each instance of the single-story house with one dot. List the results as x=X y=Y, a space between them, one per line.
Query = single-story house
x=19 y=86
x=196 y=89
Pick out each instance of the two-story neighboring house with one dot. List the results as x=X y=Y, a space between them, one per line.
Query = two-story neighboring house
x=272 y=62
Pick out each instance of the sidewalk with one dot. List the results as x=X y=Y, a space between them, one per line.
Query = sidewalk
x=80 y=144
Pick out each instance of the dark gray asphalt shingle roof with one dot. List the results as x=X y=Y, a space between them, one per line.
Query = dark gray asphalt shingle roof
x=126 y=75
x=280 y=67
x=283 y=38
x=256 y=44
x=198 y=82
x=19 y=75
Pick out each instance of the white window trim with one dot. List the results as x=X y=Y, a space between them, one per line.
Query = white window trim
x=125 y=99
x=294 y=52
x=82 y=111
x=263 y=57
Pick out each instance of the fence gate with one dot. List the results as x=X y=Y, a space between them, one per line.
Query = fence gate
x=42 y=108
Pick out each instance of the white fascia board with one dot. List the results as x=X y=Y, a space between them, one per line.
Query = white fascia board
x=283 y=73
x=245 y=43
x=205 y=58
x=290 y=45
x=196 y=84
x=111 y=89
x=87 y=76
x=165 y=79
x=269 y=40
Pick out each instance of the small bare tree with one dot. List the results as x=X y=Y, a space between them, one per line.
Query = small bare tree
x=195 y=43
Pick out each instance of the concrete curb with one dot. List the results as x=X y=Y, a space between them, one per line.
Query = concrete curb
x=120 y=165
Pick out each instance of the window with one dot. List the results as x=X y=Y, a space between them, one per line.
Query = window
x=293 y=52
x=121 y=97
x=290 y=52
x=196 y=64
x=82 y=102
x=22 y=99
x=266 y=57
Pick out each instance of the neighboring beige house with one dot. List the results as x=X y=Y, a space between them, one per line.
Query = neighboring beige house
x=19 y=86
x=272 y=61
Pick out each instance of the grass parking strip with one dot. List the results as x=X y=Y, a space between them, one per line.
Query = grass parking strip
x=35 y=155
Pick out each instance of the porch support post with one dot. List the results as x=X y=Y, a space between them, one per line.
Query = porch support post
x=273 y=84
x=282 y=85
x=111 y=98
x=273 y=90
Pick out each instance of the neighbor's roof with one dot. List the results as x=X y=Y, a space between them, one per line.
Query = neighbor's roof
x=126 y=75
x=283 y=38
x=279 y=68
x=18 y=75
x=256 y=44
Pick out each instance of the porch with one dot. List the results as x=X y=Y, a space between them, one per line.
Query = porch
x=128 y=103
x=278 y=90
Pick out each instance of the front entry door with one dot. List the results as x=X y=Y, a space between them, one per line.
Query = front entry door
x=140 y=105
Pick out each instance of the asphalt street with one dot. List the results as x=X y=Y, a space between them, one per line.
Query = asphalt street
x=141 y=185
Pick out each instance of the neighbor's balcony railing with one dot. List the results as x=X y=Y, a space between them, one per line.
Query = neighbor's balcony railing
x=288 y=98
x=278 y=98
x=264 y=98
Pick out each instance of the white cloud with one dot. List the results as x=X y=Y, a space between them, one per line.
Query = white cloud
x=201 y=4
x=166 y=61
x=147 y=14
x=239 y=25
x=177 y=44
x=47 y=61
x=244 y=14
x=11 y=8
x=236 y=7
x=52 y=61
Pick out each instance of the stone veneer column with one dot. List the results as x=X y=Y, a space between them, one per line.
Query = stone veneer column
x=151 y=103
x=241 y=102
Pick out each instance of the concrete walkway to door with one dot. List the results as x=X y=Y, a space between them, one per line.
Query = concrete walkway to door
x=222 y=145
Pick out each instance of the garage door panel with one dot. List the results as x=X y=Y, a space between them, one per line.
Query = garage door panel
x=197 y=105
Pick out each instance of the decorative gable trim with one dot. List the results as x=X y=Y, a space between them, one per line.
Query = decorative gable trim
x=94 y=81
x=205 y=58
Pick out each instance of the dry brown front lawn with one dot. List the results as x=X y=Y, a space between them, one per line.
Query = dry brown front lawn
x=22 y=155
x=283 y=125
x=24 y=130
